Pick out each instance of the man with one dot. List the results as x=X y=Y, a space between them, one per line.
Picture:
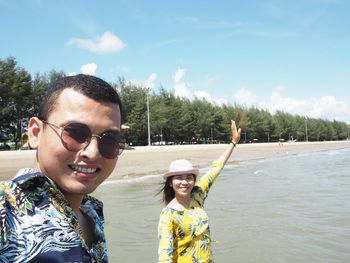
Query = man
x=46 y=214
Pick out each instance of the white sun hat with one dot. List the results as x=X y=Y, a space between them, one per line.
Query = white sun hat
x=179 y=167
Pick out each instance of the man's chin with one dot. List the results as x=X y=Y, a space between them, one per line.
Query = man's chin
x=80 y=189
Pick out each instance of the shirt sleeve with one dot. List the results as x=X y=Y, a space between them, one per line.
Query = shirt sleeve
x=206 y=181
x=166 y=237
x=2 y=216
x=6 y=202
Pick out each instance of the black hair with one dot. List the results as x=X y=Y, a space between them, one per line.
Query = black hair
x=167 y=191
x=90 y=86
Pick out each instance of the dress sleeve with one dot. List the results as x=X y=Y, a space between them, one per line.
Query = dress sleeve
x=206 y=181
x=166 y=236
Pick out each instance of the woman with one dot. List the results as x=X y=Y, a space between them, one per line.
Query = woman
x=183 y=228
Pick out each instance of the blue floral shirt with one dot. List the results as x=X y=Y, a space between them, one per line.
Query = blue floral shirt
x=38 y=225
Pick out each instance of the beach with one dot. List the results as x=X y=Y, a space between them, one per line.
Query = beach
x=271 y=203
x=154 y=160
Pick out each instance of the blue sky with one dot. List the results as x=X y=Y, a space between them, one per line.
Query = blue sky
x=292 y=56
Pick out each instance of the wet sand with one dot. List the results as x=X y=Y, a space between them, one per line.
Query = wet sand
x=154 y=160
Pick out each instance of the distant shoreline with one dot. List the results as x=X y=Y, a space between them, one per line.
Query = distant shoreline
x=154 y=160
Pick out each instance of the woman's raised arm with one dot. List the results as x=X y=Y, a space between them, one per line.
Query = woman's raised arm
x=235 y=137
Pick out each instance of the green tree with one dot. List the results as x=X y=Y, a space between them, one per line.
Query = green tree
x=161 y=115
x=134 y=114
x=15 y=100
x=261 y=124
x=285 y=125
x=41 y=83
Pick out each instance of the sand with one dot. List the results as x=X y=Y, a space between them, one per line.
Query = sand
x=155 y=160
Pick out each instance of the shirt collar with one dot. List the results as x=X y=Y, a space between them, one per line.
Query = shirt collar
x=27 y=176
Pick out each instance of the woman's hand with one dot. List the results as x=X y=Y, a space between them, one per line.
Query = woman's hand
x=236 y=134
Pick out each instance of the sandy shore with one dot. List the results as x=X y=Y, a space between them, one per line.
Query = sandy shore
x=153 y=160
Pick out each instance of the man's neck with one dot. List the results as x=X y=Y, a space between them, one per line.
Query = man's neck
x=74 y=200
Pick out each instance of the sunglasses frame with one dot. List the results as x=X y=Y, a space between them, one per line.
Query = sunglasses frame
x=121 y=144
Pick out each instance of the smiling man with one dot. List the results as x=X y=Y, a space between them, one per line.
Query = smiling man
x=46 y=214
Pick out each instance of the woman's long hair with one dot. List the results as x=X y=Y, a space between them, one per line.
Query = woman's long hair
x=167 y=191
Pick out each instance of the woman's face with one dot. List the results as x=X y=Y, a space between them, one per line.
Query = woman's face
x=183 y=185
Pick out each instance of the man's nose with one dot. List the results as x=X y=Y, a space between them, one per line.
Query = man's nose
x=91 y=151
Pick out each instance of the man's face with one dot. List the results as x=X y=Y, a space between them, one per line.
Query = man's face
x=76 y=173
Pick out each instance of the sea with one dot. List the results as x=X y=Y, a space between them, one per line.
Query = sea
x=284 y=208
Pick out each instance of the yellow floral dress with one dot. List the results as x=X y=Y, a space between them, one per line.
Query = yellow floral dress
x=184 y=235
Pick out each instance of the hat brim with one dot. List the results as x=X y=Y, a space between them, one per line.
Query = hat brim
x=195 y=172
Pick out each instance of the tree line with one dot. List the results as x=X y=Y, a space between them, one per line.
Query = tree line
x=172 y=119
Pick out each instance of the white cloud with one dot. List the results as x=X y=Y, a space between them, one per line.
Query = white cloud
x=330 y=108
x=105 y=44
x=151 y=79
x=149 y=83
x=200 y=94
x=203 y=95
x=244 y=97
x=277 y=102
x=179 y=74
x=71 y=73
x=221 y=101
x=182 y=89
x=325 y=107
x=89 y=69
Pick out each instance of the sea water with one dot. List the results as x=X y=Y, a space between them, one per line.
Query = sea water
x=288 y=208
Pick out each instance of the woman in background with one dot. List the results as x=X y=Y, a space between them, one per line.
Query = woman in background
x=183 y=228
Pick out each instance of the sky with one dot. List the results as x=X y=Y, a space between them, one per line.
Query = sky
x=292 y=56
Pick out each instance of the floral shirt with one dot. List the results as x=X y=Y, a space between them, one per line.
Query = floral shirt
x=184 y=235
x=38 y=225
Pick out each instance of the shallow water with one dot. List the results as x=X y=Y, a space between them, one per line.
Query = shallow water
x=292 y=208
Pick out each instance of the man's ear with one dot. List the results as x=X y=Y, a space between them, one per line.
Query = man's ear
x=34 y=132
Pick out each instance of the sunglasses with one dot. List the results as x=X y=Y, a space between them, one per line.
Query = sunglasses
x=77 y=136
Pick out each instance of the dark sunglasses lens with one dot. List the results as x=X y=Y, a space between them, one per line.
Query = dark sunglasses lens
x=75 y=135
x=110 y=145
